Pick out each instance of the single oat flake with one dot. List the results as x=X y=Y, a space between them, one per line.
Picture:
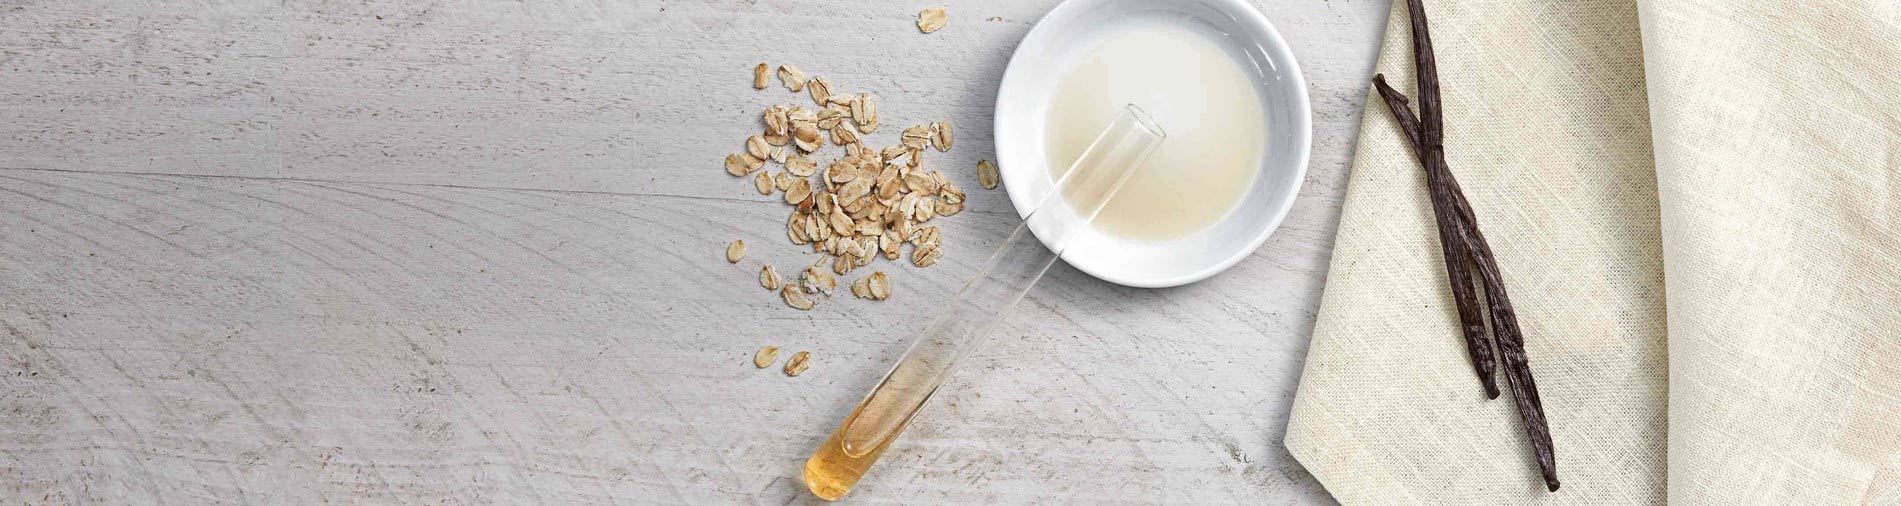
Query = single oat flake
x=817 y=281
x=880 y=286
x=795 y=298
x=806 y=137
x=762 y=182
x=776 y=121
x=769 y=278
x=736 y=251
x=794 y=79
x=741 y=164
x=859 y=113
x=799 y=362
x=821 y=90
x=759 y=77
x=987 y=174
x=802 y=167
x=931 y=19
x=916 y=137
x=801 y=189
x=943 y=138
x=925 y=256
x=765 y=357
x=756 y=147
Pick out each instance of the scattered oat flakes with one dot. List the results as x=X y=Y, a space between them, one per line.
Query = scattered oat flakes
x=765 y=356
x=867 y=204
x=799 y=362
x=987 y=174
x=931 y=19
x=759 y=77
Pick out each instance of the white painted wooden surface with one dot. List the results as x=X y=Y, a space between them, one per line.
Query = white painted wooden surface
x=468 y=252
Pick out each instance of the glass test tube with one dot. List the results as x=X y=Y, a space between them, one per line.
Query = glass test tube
x=983 y=302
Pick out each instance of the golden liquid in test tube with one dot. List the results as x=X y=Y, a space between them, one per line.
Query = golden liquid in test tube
x=962 y=327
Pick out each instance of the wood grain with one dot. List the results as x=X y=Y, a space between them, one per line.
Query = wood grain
x=414 y=252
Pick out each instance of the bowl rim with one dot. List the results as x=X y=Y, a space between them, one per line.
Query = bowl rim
x=1270 y=41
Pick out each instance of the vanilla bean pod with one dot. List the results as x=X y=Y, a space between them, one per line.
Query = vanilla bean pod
x=1458 y=263
x=1511 y=343
x=1511 y=351
x=1514 y=349
x=1431 y=149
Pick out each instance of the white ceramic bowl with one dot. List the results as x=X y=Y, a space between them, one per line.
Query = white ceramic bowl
x=1043 y=57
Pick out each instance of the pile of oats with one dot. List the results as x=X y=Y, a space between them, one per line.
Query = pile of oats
x=865 y=204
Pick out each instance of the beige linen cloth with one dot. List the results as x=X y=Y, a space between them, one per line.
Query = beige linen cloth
x=1694 y=205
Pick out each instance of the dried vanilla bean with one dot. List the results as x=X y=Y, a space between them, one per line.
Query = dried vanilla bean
x=1511 y=344
x=1458 y=263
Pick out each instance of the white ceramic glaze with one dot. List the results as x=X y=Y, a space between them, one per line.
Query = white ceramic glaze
x=1072 y=29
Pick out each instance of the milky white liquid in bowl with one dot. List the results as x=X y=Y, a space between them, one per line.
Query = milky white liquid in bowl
x=1198 y=94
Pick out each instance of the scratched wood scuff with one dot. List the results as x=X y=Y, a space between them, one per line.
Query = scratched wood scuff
x=474 y=253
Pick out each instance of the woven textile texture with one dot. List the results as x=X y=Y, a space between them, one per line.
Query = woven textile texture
x=1777 y=130
x=1766 y=233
